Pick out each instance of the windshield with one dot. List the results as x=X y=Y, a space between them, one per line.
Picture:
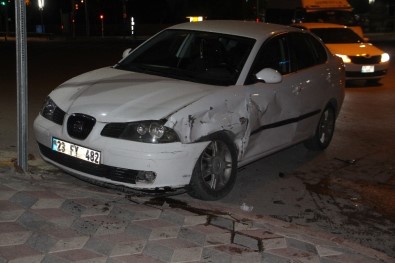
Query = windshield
x=342 y=17
x=202 y=57
x=337 y=35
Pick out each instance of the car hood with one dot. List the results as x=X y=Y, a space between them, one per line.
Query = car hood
x=112 y=95
x=355 y=49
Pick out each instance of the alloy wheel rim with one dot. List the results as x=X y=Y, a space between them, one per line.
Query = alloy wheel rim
x=216 y=165
x=326 y=126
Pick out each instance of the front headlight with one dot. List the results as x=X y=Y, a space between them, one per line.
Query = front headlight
x=144 y=131
x=345 y=58
x=385 y=57
x=52 y=112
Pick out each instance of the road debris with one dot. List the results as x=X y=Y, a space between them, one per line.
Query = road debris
x=246 y=208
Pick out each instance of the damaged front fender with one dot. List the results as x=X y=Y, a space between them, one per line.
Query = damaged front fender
x=233 y=111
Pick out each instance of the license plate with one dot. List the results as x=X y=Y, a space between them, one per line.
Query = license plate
x=76 y=151
x=367 y=69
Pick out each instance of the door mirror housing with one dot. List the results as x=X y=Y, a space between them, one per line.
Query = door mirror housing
x=269 y=75
x=126 y=52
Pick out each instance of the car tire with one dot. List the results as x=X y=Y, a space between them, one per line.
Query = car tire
x=214 y=174
x=324 y=131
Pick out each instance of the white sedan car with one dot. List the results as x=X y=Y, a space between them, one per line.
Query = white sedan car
x=192 y=104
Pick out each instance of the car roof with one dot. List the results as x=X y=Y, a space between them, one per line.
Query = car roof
x=318 y=25
x=251 y=29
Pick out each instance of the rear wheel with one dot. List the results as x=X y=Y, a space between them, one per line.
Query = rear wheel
x=215 y=171
x=324 y=131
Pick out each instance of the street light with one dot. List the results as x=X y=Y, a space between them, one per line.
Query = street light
x=4 y=3
x=41 y=7
x=86 y=17
x=102 y=25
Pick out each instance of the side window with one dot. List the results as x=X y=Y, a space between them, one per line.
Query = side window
x=319 y=50
x=273 y=54
x=306 y=51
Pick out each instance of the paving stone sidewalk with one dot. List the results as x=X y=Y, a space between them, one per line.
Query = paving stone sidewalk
x=48 y=216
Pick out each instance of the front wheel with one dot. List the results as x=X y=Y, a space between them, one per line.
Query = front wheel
x=324 y=131
x=215 y=171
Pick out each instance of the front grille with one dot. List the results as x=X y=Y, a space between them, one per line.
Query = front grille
x=105 y=171
x=365 y=60
x=80 y=125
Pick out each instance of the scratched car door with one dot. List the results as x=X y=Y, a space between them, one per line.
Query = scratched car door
x=274 y=108
x=308 y=59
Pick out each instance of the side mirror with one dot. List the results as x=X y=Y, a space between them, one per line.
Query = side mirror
x=126 y=52
x=269 y=75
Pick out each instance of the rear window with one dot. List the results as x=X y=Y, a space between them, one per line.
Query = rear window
x=307 y=51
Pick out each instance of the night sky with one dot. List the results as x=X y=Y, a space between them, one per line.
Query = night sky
x=57 y=12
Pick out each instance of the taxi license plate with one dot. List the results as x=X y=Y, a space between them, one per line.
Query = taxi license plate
x=76 y=151
x=367 y=69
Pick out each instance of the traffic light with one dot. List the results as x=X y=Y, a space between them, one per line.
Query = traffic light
x=101 y=17
x=3 y=3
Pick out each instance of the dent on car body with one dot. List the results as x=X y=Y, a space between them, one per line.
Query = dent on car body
x=238 y=114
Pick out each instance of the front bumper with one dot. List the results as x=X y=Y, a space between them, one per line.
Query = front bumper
x=354 y=71
x=122 y=161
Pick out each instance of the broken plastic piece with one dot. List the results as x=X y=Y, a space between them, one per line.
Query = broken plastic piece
x=353 y=161
x=246 y=207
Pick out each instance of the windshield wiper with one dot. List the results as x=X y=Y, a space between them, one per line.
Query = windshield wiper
x=158 y=71
x=132 y=67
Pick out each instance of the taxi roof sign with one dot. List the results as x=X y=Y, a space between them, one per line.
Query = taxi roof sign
x=195 y=18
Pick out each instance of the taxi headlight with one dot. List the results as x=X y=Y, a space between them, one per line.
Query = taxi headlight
x=385 y=57
x=345 y=58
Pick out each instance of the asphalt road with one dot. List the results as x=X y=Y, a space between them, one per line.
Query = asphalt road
x=348 y=190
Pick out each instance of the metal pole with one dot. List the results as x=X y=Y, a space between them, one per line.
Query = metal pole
x=87 y=27
x=42 y=21
x=257 y=10
x=6 y=23
x=21 y=71
x=124 y=16
x=41 y=8
x=73 y=18
x=102 y=27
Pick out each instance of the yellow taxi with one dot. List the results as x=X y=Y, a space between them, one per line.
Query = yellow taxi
x=363 y=60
